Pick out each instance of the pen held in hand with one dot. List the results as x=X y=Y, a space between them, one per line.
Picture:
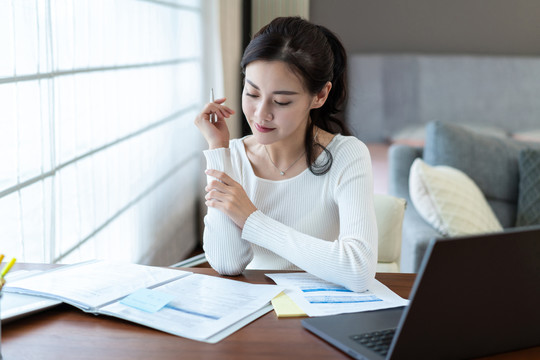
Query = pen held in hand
x=213 y=117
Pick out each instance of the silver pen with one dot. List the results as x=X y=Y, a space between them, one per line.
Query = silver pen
x=213 y=117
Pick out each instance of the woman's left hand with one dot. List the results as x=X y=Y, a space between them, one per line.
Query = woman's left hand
x=229 y=197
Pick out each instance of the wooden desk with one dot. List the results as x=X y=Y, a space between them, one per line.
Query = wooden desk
x=65 y=332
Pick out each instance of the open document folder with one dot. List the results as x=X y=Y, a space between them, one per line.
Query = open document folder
x=195 y=306
x=15 y=306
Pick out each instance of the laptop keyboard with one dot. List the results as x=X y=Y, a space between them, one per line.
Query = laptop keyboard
x=378 y=341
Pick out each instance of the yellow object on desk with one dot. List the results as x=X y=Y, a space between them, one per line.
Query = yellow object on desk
x=7 y=267
x=284 y=306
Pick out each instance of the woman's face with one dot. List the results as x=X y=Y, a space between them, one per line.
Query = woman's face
x=275 y=102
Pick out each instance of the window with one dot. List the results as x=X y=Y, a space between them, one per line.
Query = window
x=98 y=153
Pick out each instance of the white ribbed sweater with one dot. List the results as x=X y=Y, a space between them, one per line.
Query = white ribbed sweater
x=324 y=224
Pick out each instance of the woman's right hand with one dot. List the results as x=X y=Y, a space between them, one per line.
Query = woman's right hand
x=215 y=133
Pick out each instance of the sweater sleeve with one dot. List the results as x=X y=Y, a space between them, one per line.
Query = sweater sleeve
x=225 y=250
x=350 y=260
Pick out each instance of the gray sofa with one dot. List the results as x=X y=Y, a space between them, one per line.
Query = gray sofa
x=491 y=162
x=393 y=96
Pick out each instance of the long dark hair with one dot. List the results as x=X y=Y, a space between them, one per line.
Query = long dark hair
x=315 y=54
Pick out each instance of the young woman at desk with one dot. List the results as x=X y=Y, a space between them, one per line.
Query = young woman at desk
x=298 y=193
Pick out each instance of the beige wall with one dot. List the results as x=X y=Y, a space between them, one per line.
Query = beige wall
x=263 y=11
x=496 y=27
x=230 y=15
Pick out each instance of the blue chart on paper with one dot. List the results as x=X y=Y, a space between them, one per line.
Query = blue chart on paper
x=325 y=289
x=341 y=299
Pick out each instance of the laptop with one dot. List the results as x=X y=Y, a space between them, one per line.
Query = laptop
x=473 y=296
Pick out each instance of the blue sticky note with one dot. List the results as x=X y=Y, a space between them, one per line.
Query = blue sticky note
x=147 y=300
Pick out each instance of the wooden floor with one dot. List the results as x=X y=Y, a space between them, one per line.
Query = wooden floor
x=379 y=162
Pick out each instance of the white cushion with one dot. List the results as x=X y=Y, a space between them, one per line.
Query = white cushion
x=450 y=201
x=389 y=211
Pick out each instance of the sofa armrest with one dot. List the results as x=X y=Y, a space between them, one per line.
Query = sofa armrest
x=400 y=159
x=417 y=234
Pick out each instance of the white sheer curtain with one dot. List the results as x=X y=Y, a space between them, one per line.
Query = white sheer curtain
x=99 y=157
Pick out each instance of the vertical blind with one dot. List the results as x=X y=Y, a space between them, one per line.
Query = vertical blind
x=98 y=152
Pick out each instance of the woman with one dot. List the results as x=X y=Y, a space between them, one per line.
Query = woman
x=296 y=193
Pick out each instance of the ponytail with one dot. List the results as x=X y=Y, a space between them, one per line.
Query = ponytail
x=338 y=95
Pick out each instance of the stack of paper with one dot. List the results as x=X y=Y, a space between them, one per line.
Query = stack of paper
x=307 y=295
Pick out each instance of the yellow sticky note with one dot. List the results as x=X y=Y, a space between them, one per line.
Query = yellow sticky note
x=285 y=307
